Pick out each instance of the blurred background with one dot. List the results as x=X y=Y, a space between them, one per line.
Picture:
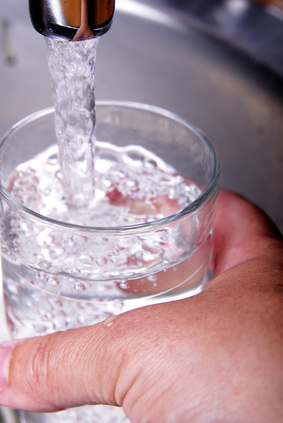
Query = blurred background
x=216 y=63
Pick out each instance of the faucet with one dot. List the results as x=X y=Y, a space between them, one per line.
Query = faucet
x=71 y=19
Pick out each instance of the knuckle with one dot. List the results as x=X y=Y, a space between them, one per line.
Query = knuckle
x=39 y=363
x=40 y=371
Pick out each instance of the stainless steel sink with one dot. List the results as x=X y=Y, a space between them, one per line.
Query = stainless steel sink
x=173 y=54
x=8 y=416
x=165 y=53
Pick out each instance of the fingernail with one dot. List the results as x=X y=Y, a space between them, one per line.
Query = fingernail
x=5 y=351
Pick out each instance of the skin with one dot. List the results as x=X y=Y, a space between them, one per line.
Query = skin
x=212 y=358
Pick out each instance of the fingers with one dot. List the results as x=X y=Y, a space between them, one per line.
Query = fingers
x=181 y=358
x=116 y=362
x=242 y=232
x=100 y=364
x=58 y=371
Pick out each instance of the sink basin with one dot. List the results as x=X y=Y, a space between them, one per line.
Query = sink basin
x=156 y=53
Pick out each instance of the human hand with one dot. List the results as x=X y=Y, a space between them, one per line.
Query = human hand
x=215 y=357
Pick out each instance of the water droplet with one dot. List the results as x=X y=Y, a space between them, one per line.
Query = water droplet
x=108 y=322
x=124 y=285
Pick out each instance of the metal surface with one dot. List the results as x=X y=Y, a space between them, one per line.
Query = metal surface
x=169 y=62
x=156 y=54
x=71 y=19
x=8 y=416
x=252 y=27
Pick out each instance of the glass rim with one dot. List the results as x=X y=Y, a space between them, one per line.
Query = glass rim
x=207 y=193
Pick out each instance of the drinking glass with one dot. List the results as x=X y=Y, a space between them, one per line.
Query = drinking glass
x=59 y=274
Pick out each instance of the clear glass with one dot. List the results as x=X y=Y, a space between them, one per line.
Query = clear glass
x=117 y=268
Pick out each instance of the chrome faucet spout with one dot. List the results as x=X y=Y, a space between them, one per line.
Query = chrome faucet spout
x=71 y=19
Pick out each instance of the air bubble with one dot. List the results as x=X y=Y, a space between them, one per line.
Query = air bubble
x=152 y=278
x=53 y=159
x=101 y=261
x=151 y=163
x=138 y=255
x=132 y=183
x=59 y=251
x=76 y=271
x=52 y=281
x=47 y=192
x=85 y=259
x=80 y=286
x=5 y=249
x=41 y=275
x=59 y=175
x=115 y=252
x=120 y=174
x=134 y=158
x=164 y=236
x=45 y=265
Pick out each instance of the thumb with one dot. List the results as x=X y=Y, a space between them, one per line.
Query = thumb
x=38 y=374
